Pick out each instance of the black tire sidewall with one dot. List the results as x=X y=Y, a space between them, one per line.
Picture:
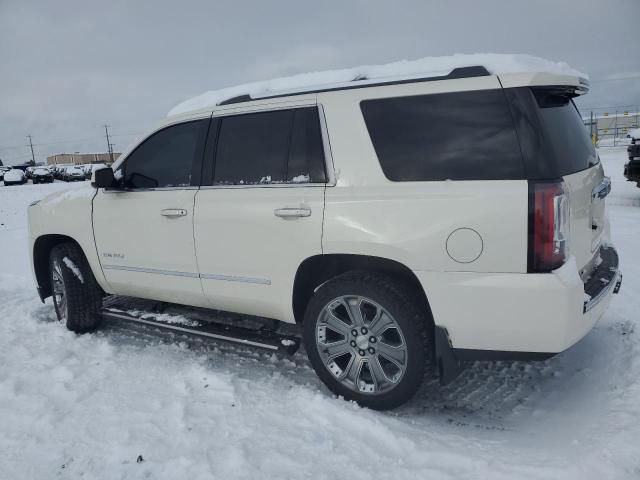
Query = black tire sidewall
x=84 y=298
x=383 y=291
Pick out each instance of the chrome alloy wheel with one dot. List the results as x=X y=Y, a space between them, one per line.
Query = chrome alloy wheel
x=361 y=344
x=59 y=291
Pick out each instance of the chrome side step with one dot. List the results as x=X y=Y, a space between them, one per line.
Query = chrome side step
x=258 y=338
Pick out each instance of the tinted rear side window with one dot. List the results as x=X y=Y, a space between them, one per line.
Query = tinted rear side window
x=565 y=132
x=253 y=148
x=456 y=136
x=306 y=155
x=270 y=147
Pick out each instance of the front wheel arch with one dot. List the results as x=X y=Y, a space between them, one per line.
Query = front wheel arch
x=41 y=251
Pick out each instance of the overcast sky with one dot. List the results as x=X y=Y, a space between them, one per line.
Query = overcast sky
x=69 y=67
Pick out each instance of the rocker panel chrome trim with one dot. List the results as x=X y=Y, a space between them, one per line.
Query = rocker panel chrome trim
x=204 y=276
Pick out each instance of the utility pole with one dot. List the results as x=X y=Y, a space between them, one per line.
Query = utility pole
x=33 y=158
x=109 y=144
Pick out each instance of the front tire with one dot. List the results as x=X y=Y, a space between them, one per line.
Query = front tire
x=367 y=339
x=77 y=298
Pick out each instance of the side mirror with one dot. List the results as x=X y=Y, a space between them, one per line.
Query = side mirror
x=103 y=178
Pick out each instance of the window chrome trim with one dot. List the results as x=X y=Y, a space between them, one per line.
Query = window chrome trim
x=326 y=147
x=262 y=185
x=203 y=276
x=241 y=109
x=158 y=189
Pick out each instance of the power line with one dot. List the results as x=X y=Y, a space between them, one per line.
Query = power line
x=33 y=158
x=61 y=142
x=109 y=144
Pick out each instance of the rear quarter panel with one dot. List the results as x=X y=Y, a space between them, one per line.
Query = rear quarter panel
x=410 y=222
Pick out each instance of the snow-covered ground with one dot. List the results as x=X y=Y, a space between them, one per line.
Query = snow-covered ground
x=87 y=406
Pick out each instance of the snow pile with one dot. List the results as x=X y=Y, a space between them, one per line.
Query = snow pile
x=424 y=67
x=88 y=406
x=301 y=178
x=74 y=268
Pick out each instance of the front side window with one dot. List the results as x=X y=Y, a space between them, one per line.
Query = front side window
x=283 y=146
x=447 y=136
x=165 y=159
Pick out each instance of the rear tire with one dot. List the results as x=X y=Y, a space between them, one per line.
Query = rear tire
x=379 y=359
x=77 y=297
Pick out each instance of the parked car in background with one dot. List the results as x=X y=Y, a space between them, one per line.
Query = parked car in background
x=14 y=177
x=632 y=167
x=58 y=170
x=28 y=172
x=41 y=175
x=2 y=171
x=73 y=173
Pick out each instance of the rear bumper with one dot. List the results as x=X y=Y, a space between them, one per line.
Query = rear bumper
x=519 y=316
x=605 y=280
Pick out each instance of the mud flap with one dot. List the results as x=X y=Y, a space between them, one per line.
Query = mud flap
x=449 y=366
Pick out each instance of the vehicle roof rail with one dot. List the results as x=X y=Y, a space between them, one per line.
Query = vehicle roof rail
x=456 y=73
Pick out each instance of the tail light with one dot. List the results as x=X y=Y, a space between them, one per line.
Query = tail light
x=548 y=226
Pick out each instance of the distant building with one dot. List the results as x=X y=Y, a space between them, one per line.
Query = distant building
x=81 y=158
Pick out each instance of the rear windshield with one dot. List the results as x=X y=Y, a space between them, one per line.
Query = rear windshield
x=455 y=136
x=564 y=131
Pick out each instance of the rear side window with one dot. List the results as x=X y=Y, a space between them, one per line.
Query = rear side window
x=456 y=136
x=283 y=146
x=166 y=159
x=306 y=155
x=564 y=131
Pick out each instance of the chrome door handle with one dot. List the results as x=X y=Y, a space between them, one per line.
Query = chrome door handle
x=173 y=212
x=292 y=212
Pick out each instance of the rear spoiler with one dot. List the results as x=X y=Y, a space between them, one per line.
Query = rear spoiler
x=574 y=85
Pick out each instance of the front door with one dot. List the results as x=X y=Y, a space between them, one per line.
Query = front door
x=144 y=229
x=262 y=214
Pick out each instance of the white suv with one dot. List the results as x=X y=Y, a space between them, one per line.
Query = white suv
x=408 y=224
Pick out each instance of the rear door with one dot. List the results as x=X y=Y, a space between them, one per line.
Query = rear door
x=261 y=214
x=144 y=230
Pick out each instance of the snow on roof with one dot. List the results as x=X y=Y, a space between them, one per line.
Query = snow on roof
x=635 y=133
x=421 y=68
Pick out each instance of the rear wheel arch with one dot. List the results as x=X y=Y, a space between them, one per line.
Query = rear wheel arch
x=316 y=270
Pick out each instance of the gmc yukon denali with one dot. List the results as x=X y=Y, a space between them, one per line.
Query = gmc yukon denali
x=406 y=224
